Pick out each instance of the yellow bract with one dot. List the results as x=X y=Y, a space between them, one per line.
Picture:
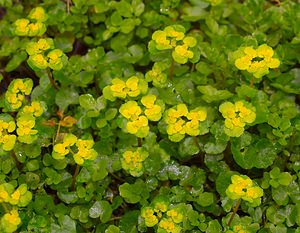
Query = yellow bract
x=150 y=219
x=16 y=92
x=152 y=111
x=85 y=151
x=132 y=161
x=236 y=116
x=244 y=188
x=257 y=61
x=180 y=121
x=34 y=25
x=35 y=109
x=10 y=221
x=61 y=149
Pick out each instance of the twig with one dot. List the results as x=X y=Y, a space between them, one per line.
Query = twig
x=171 y=74
x=68 y=6
x=139 y=142
x=5 y=207
x=235 y=209
x=53 y=84
x=74 y=177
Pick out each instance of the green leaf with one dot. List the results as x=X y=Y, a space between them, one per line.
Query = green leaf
x=250 y=151
x=213 y=227
x=65 y=97
x=205 y=199
x=101 y=209
x=211 y=94
x=16 y=61
x=112 y=229
x=87 y=101
x=128 y=222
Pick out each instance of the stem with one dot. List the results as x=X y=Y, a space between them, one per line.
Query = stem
x=74 y=177
x=200 y=154
x=5 y=207
x=235 y=209
x=18 y=164
x=139 y=142
x=171 y=74
x=251 y=82
x=68 y=6
x=53 y=84
x=57 y=132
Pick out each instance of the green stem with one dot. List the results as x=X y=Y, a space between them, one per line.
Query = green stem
x=139 y=142
x=235 y=209
x=171 y=74
x=5 y=207
x=53 y=84
x=74 y=177
x=200 y=154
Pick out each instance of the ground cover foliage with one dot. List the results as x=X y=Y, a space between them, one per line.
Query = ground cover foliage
x=150 y=116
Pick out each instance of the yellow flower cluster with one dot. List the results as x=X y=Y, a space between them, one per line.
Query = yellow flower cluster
x=42 y=54
x=132 y=161
x=157 y=75
x=132 y=87
x=25 y=131
x=149 y=216
x=238 y=229
x=173 y=37
x=180 y=121
x=62 y=149
x=153 y=111
x=16 y=92
x=19 y=197
x=84 y=149
x=33 y=25
x=236 y=116
x=242 y=187
x=10 y=221
x=168 y=220
x=256 y=61
x=7 y=126
x=35 y=109
x=169 y=226
x=137 y=123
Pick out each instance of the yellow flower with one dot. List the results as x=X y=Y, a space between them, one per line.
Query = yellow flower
x=132 y=86
x=170 y=32
x=257 y=61
x=141 y=123
x=38 y=14
x=132 y=161
x=169 y=226
x=10 y=221
x=192 y=128
x=149 y=217
x=39 y=61
x=176 y=128
x=35 y=109
x=160 y=38
x=21 y=27
x=118 y=87
x=4 y=196
x=175 y=215
x=62 y=149
x=243 y=187
x=25 y=125
x=85 y=151
x=130 y=110
x=152 y=111
x=55 y=59
x=236 y=116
